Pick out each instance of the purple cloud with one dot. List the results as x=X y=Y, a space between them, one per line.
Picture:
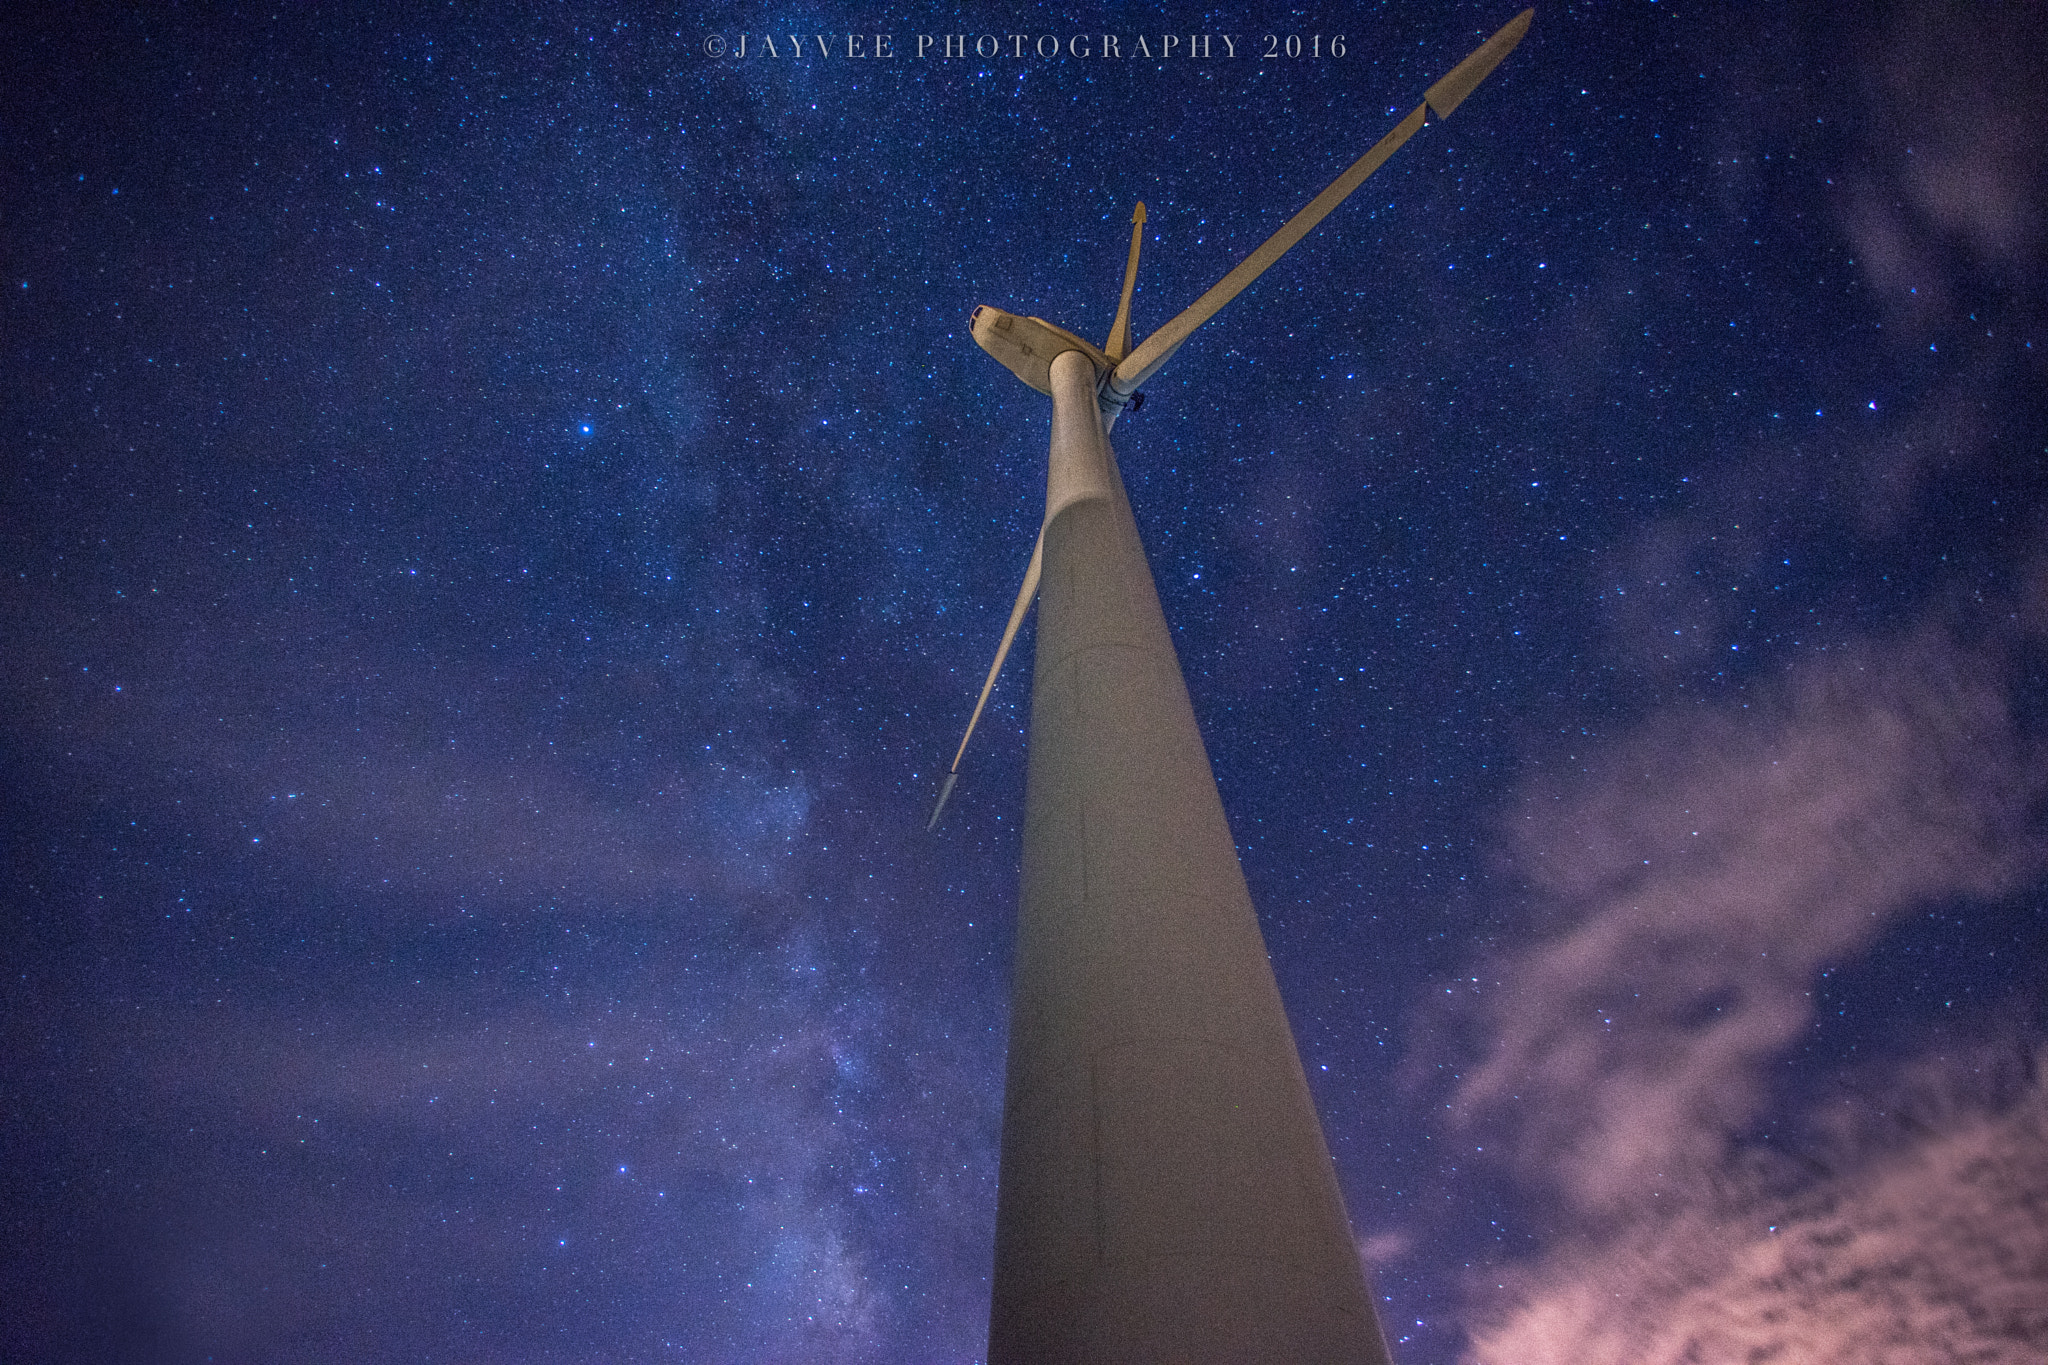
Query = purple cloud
x=1934 y=1253
x=1702 y=872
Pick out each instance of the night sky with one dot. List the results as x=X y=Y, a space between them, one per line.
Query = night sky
x=504 y=524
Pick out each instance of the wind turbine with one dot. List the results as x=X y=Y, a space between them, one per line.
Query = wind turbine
x=1165 y=1194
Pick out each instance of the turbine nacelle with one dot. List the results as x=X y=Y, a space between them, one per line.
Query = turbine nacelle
x=1028 y=346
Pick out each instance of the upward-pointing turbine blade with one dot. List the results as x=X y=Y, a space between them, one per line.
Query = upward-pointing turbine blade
x=1448 y=93
x=1119 y=344
x=1024 y=596
x=1133 y=370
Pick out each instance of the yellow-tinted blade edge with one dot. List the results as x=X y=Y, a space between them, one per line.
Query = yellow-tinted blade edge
x=1119 y=344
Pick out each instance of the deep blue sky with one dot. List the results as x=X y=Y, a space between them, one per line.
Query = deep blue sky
x=503 y=524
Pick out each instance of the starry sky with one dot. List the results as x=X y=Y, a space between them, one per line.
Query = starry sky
x=503 y=524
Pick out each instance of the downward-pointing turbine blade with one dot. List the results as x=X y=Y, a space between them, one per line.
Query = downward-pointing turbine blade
x=1023 y=605
x=1158 y=348
x=944 y=792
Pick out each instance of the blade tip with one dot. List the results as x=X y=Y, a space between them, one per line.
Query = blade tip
x=939 y=809
x=1468 y=75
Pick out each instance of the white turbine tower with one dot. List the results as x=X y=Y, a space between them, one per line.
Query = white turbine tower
x=1166 y=1194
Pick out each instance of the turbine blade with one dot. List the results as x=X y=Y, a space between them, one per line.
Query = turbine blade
x=1448 y=93
x=1023 y=605
x=1119 y=344
x=1134 y=369
x=938 y=810
x=1143 y=363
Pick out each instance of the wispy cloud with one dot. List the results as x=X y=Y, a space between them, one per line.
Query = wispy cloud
x=1937 y=1252
x=1702 y=872
x=1950 y=147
